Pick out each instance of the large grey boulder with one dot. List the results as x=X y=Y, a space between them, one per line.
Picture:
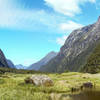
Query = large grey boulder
x=39 y=80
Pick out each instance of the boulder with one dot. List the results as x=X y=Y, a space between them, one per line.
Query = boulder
x=39 y=80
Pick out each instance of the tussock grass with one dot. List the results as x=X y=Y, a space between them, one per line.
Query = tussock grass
x=13 y=87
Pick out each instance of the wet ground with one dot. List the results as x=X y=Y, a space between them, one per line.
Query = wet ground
x=84 y=95
x=87 y=95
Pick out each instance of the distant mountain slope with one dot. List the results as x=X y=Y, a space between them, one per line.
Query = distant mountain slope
x=3 y=62
x=20 y=66
x=43 y=61
x=93 y=62
x=74 y=53
x=10 y=63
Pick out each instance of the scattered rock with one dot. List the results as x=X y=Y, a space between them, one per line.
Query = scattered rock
x=83 y=86
x=88 y=85
x=39 y=80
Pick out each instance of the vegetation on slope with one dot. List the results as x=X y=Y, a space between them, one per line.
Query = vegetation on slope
x=21 y=71
x=93 y=62
x=61 y=64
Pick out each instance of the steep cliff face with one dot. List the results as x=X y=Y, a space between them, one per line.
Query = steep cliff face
x=74 y=53
x=3 y=62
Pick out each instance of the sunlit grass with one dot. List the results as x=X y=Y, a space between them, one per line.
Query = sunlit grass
x=13 y=87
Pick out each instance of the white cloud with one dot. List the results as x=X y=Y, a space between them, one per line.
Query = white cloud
x=61 y=40
x=67 y=7
x=12 y=16
x=67 y=27
x=70 y=25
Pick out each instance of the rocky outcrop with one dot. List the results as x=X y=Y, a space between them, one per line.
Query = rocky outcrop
x=74 y=53
x=39 y=80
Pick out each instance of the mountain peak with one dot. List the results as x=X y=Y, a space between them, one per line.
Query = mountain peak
x=43 y=61
x=52 y=52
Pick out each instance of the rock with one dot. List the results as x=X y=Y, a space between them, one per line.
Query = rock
x=39 y=80
x=28 y=80
x=88 y=85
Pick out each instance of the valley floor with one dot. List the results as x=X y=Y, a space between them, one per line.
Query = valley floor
x=13 y=87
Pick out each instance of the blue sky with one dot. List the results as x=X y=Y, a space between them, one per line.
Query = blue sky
x=29 y=29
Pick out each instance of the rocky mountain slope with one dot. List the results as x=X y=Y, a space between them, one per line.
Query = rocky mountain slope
x=43 y=61
x=10 y=63
x=3 y=62
x=77 y=48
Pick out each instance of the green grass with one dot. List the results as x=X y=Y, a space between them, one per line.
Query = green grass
x=13 y=87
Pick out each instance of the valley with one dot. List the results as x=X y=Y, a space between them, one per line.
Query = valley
x=13 y=86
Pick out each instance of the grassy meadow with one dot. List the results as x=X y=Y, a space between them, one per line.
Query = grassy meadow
x=13 y=87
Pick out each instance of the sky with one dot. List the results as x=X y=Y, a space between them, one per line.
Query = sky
x=30 y=29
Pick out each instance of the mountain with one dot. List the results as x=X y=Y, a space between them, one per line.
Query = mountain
x=10 y=63
x=20 y=66
x=93 y=62
x=43 y=61
x=76 y=50
x=3 y=62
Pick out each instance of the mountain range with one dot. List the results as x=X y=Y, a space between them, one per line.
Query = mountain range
x=43 y=61
x=36 y=66
x=80 y=52
x=74 y=53
x=20 y=66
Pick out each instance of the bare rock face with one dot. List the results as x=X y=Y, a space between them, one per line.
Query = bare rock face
x=39 y=80
x=74 y=53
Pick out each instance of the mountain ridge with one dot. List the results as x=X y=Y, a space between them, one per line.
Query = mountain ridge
x=20 y=66
x=43 y=61
x=10 y=63
x=79 y=41
x=3 y=61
